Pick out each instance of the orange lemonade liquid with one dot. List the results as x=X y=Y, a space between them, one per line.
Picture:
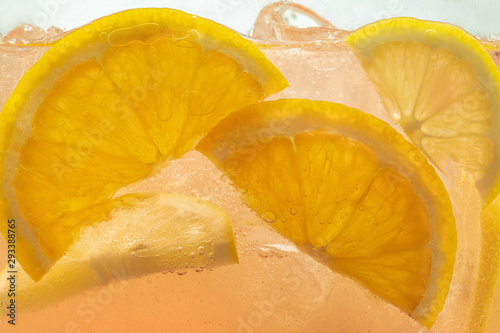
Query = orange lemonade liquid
x=275 y=287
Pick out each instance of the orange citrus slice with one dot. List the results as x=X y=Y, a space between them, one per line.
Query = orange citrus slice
x=442 y=86
x=107 y=105
x=182 y=233
x=343 y=182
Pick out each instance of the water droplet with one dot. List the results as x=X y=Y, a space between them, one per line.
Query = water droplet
x=269 y=217
x=306 y=194
x=322 y=221
x=201 y=250
x=431 y=35
x=317 y=45
x=182 y=272
x=396 y=115
x=249 y=93
x=192 y=255
x=293 y=211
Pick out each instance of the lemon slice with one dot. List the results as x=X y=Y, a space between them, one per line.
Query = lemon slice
x=442 y=86
x=342 y=182
x=182 y=233
x=106 y=106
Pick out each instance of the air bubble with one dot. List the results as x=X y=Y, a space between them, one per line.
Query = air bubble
x=269 y=217
x=263 y=254
x=201 y=250
x=279 y=254
x=431 y=35
x=293 y=211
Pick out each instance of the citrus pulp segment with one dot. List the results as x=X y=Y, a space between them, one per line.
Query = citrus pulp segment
x=182 y=232
x=442 y=86
x=330 y=177
x=107 y=105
